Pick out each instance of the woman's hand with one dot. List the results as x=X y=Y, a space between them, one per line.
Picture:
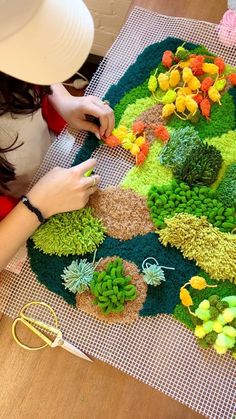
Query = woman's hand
x=74 y=110
x=62 y=190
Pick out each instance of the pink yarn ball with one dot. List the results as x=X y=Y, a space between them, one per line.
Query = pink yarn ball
x=227 y=28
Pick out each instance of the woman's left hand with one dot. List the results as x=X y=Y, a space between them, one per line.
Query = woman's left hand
x=75 y=109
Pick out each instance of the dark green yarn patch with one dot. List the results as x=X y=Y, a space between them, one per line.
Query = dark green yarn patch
x=222 y=119
x=223 y=289
x=226 y=191
x=89 y=145
x=167 y=200
x=48 y=270
x=161 y=299
x=190 y=159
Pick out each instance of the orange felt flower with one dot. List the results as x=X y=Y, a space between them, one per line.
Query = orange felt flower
x=206 y=84
x=185 y=297
x=220 y=63
x=198 y=98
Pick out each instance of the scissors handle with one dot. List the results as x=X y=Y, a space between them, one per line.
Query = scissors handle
x=34 y=330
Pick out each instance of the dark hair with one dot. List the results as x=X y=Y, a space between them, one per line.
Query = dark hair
x=16 y=97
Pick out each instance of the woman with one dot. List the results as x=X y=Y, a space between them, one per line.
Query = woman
x=42 y=42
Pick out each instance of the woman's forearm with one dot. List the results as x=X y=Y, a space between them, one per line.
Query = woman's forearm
x=15 y=229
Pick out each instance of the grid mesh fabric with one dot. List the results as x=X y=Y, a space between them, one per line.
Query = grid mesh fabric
x=158 y=351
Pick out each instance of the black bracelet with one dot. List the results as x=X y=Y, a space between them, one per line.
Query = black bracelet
x=36 y=211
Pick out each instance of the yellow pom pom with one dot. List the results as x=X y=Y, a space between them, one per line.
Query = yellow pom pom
x=131 y=137
x=199 y=332
x=168 y=110
x=228 y=315
x=174 y=78
x=191 y=105
x=185 y=297
x=120 y=132
x=140 y=141
x=187 y=74
x=184 y=91
x=180 y=103
x=198 y=282
x=194 y=83
x=134 y=149
x=213 y=94
x=163 y=81
x=217 y=326
x=210 y=68
x=204 y=305
x=219 y=349
x=183 y=64
x=127 y=145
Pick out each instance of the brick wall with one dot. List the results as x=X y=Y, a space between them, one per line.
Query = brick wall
x=109 y=16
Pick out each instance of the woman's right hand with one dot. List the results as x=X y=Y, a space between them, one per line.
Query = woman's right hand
x=62 y=190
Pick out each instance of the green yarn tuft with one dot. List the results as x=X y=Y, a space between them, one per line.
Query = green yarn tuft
x=226 y=191
x=190 y=159
x=141 y=178
x=222 y=119
x=77 y=276
x=71 y=233
x=166 y=201
x=226 y=144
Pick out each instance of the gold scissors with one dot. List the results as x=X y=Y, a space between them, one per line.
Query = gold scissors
x=35 y=326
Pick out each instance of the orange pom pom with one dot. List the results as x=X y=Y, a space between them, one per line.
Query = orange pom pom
x=185 y=297
x=145 y=148
x=167 y=59
x=196 y=65
x=162 y=133
x=220 y=64
x=205 y=107
x=206 y=84
x=198 y=98
x=138 y=127
x=112 y=141
x=232 y=79
x=140 y=158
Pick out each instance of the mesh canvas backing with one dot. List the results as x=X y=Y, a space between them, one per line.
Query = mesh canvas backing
x=158 y=351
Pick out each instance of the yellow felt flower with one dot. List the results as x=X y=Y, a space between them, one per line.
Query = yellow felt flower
x=140 y=141
x=191 y=105
x=134 y=149
x=213 y=94
x=194 y=83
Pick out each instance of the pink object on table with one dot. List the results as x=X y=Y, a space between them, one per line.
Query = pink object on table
x=227 y=28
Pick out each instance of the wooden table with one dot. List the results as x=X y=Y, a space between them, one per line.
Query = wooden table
x=54 y=384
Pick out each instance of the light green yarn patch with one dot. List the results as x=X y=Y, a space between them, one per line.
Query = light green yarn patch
x=226 y=144
x=70 y=233
x=141 y=178
x=229 y=69
x=133 y=110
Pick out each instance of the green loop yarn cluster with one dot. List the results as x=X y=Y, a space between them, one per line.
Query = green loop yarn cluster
x=168 y=200
x=112 y=288
x=70 y=233
x=226 y=190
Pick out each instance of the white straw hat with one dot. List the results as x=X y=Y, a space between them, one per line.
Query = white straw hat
x=44 y=41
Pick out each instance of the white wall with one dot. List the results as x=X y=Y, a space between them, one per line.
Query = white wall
x=109 y=16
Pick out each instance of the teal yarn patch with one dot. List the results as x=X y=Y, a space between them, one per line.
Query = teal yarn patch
x=161 y=299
